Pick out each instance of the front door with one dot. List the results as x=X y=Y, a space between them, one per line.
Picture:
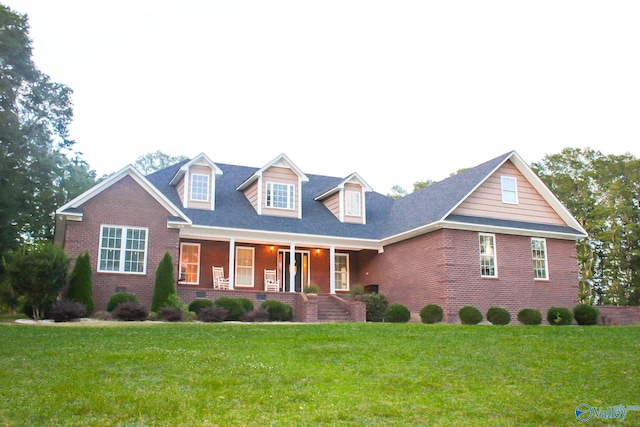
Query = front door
x=301 y=269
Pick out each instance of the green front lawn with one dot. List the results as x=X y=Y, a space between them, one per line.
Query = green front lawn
x=192 y=374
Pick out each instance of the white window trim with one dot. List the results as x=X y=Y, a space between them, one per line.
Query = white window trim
x=347 y=197
x=123 y=250
x=197 y=282
x=348 y=273
x=291 y=188
x=546 y=260
x=495 y=255
x=208 y=189
x=253 y=267
x=504 y=179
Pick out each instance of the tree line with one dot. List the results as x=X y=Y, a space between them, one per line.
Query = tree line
x=40 y=171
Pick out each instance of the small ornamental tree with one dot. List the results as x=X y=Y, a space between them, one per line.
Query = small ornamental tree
x=38 y=272
x=80 y=283
x=164 y=285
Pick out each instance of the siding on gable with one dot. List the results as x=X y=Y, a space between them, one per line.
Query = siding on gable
x=486 y=201
x=333 y=204
x=280 y=175
x=251 y=193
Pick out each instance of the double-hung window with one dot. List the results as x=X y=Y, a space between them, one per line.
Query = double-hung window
x=342 y=272
x=509 y=187
x=488 y=265
x=190 y=263
x=352 y=199
x=123 y=249
x=539 y=255
x=200 y=188
x=245 y=261
x=280 y=195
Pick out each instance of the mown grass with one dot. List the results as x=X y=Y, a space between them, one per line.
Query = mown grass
x=191 y=374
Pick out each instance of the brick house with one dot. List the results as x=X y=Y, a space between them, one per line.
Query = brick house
x=492 y=235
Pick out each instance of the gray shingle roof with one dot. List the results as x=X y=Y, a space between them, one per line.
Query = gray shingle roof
x=385 y=216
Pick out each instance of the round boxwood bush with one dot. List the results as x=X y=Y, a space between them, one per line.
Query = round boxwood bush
x=586 y=314
x=278 y=311
x=530 y=316
x=431 y=313
x=470 y=315
x=397 y=313
x=130 y=311
x=559 y=316
x=234 y=307
x=118 y=298
x=498 y=316
x=247 y=304
x=199 y=303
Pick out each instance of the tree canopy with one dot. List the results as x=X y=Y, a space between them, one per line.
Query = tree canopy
x=39 y=171
x=151 y=162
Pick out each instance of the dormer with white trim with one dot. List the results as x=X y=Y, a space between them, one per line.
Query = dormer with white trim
x=347 y=200
x=195 y=183
x=276 y=188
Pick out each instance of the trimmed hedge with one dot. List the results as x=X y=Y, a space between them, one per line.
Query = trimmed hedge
x=397 y=313
x=234 y=306
x=559 y=316
x=498 y=316
x=586 y=314
x=470 y=315
x=118 y=298
x=200 y=303
x=431 y=313
x=530 y=316
x=278 y=311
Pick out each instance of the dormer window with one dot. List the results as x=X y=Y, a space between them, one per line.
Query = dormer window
x=200 y=188
x=352 y=201
x=280 y=195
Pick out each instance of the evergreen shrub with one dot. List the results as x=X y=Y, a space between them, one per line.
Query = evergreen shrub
x=559 y=316
x=247 y=304
x=586 y=314
x=130 y=312
x=498 y=316
x=120 y=297
x=65 y=311
x=199 y=303
x=80 y=283
x=213 y=313
x=376 y=304
x=164 y=284
x=530 y=316
x=278 y=310
x=431 y=313
x=397 y=313
x=470 y=315
x=235 y=308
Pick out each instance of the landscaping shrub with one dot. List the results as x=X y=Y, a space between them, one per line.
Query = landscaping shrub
x=470 y=315
x=530 y=316
x=64 y=311
x=586 y=314
x=130 y=311
x=278 y=311
x=431 y=313
x=259 y=315
x=234 y=307
x=498 y=316
x=120 y=297
x=356 y=290
x=376 y=304
x=559 y=316
x=311 y=289
x=212 y=314
x=171 y=314
x=247 y=304
x=164 y=284
x=80 y=283
x=397 y=313
x=102 y=315
x=200 y=303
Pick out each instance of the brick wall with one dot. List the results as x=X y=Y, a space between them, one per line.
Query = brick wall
x=443 y=268
x=612 y=315
x=125 y=203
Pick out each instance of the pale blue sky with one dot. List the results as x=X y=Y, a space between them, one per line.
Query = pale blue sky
x=398 y=91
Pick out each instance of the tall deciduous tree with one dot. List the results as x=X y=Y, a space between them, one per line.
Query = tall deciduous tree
x=36 y=174
x=156 y=161
x=602 y=192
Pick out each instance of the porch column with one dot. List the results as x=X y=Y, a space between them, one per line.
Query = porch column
x=232 y=263
x=332 y=269
x=292 y=267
